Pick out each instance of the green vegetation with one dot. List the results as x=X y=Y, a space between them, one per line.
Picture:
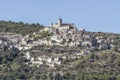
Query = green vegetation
x=92 y=67
x=19 y=27
x=97 y=65
x=100 y=65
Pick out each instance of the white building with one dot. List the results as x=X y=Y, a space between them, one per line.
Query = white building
x=27 y=55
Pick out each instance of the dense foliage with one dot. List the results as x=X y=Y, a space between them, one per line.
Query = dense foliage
x=104 y=66
x=19 y=27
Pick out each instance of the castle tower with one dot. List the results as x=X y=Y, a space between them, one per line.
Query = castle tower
x=59 y=22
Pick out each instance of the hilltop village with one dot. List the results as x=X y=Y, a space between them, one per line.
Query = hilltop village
x=58 y=47
x=58 y=34
x=66 y=35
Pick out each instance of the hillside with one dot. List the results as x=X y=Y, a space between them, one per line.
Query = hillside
x=57 y=53
x=19 y=27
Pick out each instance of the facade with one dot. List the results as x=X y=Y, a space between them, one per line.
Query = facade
x=62 y=26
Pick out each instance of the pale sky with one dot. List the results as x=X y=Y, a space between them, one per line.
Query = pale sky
x=93 y=15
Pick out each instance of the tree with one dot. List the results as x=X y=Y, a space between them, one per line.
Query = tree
x=4 y=61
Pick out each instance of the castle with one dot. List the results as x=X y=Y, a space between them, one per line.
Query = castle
x=62 y=26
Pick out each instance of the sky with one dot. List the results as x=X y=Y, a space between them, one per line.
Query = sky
x=92 y=15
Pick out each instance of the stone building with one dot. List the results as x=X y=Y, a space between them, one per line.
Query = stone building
x=62 y=26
